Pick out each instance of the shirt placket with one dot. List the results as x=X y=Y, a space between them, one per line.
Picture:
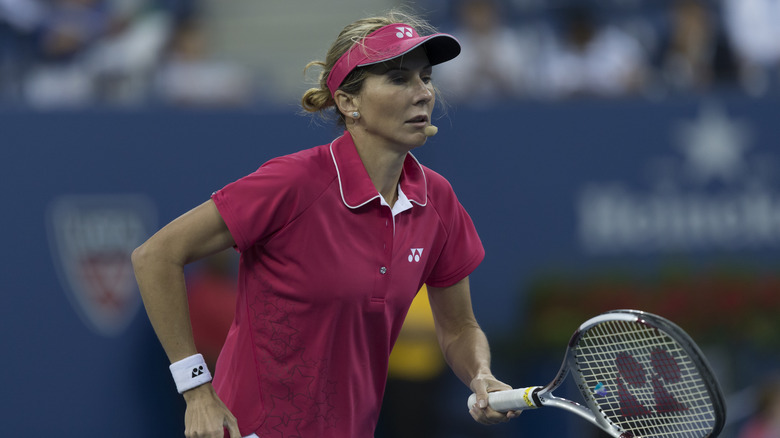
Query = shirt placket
x=384 y=270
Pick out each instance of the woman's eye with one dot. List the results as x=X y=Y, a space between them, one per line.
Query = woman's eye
x=403 y=79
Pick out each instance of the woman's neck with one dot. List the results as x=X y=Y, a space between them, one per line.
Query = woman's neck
x=384 y=166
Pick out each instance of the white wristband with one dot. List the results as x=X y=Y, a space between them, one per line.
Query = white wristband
x=190 y=372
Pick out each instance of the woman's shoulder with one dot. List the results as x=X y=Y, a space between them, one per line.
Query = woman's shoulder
x=299 y=175
x=305 y=159
x=309 y=164
x=437 y=185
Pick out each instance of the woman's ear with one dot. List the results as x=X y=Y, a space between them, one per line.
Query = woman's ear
x=346 y=103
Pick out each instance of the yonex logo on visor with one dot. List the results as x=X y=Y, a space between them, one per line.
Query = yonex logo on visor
x=404 y=31
x=387 y=43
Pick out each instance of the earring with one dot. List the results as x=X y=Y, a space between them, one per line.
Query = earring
x=355 y=114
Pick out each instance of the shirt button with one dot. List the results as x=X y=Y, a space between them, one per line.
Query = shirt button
x=383 y=270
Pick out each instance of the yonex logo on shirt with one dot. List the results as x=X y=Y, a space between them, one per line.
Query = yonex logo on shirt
x=404 y=32
x=415 y=255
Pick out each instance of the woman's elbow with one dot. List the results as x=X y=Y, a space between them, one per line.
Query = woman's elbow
x=139 y=257
x=147 y=255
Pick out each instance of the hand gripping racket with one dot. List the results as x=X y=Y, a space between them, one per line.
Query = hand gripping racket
x=640 y=376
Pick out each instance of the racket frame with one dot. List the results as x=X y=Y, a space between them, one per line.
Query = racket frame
x=674 y=332
x=538 y=396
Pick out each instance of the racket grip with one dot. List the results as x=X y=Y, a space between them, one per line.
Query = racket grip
x=510 y=400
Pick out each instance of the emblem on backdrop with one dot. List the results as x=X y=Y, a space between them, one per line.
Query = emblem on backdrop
x=714 y=190
x=91 y=239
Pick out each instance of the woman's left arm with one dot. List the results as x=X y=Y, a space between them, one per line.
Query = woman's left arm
x=465 y=347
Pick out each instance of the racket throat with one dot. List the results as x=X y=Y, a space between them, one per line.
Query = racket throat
x=535 y=400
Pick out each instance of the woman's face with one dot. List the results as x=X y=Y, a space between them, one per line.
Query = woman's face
x=397 y=99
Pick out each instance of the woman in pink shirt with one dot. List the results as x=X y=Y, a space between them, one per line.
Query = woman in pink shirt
x=335 y=242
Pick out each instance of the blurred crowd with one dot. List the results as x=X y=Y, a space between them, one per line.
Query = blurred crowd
x=612 y=48
x=125 y=52
x=72 y=53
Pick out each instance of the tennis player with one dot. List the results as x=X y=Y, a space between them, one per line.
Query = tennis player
x=335 y=242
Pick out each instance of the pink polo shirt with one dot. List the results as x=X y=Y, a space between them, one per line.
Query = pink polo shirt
x=327 y=274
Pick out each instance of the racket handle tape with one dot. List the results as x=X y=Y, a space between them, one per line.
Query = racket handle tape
x=511 y=400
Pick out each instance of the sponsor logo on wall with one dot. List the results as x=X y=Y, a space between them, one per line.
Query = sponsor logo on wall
x=714 y=191
x=91 y=239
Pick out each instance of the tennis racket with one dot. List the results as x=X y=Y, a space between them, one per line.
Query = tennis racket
x=640 y=375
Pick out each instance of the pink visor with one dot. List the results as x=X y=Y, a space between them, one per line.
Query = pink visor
x=390 y=42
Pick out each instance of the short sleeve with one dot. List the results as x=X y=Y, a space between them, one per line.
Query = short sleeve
x=462 y=251
x=261 y=203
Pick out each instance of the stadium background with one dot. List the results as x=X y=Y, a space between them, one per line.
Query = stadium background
x=670 y=205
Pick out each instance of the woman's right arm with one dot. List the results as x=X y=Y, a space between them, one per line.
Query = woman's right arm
x=159 y=270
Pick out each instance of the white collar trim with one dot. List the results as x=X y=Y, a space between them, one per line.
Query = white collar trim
x=401 y=205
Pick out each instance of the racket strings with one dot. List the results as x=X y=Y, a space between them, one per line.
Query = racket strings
x=643 y=381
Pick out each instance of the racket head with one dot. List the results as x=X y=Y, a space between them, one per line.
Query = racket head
x=643 y=376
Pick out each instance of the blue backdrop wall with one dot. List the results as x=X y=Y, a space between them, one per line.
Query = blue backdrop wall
x=555 y=190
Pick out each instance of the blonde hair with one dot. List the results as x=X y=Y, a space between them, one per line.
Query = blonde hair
x=319 y=99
